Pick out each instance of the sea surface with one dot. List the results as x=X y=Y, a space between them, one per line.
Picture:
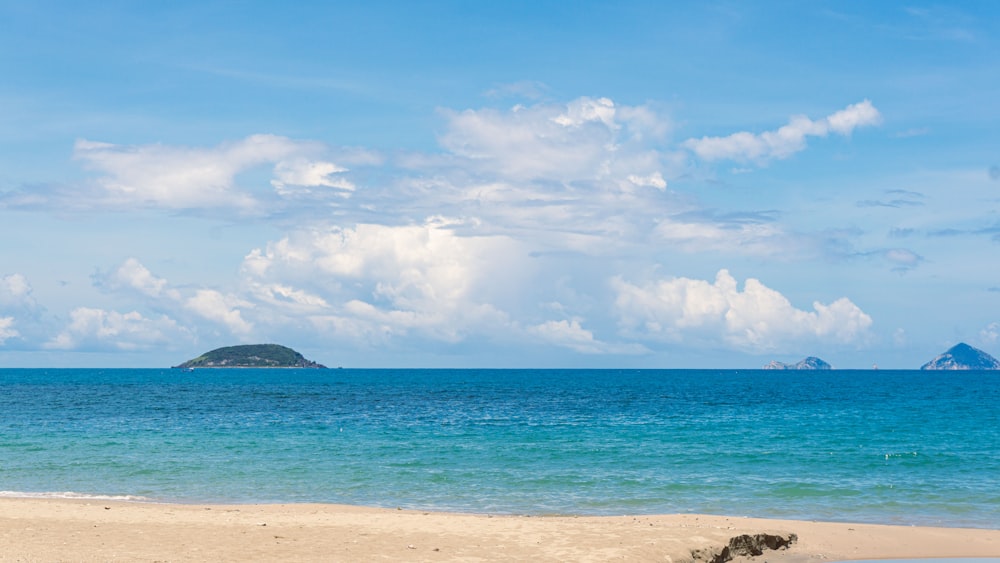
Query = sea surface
x=899 y=447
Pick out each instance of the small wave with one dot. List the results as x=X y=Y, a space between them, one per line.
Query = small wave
x=72 y=495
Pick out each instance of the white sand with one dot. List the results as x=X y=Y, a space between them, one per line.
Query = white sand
x=88 y=530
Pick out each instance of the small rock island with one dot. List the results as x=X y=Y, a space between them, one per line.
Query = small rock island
x=962 y=357
x=810 y=363
x=251 y=356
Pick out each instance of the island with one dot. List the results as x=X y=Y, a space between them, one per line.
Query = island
x=251 y=356
x=962 y=357
x=810 y=363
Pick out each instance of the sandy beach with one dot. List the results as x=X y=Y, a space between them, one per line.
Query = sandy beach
x=94 y=530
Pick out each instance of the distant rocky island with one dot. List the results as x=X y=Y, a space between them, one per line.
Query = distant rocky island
x=962 y=357
x=251 y=356
x=810 y=363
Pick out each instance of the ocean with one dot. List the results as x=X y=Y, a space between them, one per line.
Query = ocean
x=895 y=447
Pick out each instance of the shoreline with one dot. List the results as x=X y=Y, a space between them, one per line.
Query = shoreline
x=88 y=529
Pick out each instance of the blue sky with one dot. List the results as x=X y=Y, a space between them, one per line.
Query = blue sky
x=452 y=184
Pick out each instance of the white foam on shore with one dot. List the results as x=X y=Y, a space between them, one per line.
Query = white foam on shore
x=72 y=495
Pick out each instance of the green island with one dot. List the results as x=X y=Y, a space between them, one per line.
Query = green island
x=251 y=356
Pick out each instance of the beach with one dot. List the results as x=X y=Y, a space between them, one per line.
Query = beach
x=34 y=529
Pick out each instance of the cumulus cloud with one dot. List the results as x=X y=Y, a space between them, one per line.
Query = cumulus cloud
x=423 y=277
x=7 y=330
x=224 y=309
x=756 y=318
x=785 y=141
x=131 y=274
x=581 y=140
x=98 y=329
x=16 y=294
x=218 y=307
x=590 y=175
x=466 y=242
x=21 y=317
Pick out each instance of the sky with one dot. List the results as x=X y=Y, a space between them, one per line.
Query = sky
x=499 y=184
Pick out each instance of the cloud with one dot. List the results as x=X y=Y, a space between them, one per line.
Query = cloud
x=220 y=308
x=992 y=231
x=570 y=334
x=704 y=233
x=785 y=141
x=390 y=280
x=18 y=308
x=97 y=329
x=303 y=174
x=16 y=294
x=519 y=208
x=178 y=177
x=755 y=319
x=7 y=330
x=225 y=309
x=896 y=199
x=901 y=258
x=990 y=334
x=587 y=139
x=590 y=175
x=131 y=274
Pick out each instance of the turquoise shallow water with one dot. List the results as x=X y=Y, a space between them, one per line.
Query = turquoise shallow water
x=903 y=447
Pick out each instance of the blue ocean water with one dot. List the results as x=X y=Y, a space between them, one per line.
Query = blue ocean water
x=901 y=447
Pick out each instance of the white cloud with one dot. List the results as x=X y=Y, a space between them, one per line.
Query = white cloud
x=785 y=141
x=465 y=244
x=184 y=177
x=425 y=265
x=14 y=287
x=654 y=180
x=303 y=174
x=741 y=237
x=225 y=309
x=378 y=279
x=584 y=110
x=16 y=293
x=91 y=328
x=755 y=319
x=220 y=308
x=18 y=307
x=570 y=334
x=7 y=330
x=586 y=139
x=133 y=275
